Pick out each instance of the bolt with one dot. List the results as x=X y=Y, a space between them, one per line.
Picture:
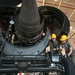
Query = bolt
x=11 y=22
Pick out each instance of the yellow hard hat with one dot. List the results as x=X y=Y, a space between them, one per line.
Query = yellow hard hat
x=53 y=36
x=63 y=38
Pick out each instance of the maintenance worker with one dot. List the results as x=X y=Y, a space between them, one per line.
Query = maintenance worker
x=54 y=45
x=65 y=46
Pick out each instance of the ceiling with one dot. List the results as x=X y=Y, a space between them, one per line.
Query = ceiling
x=68 y=7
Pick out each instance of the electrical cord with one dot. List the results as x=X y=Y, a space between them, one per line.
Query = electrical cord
x=1 y=48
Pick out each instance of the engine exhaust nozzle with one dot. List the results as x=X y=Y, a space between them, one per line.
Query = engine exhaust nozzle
x=28 y=21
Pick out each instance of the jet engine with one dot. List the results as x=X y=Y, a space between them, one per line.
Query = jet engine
x=24 y=36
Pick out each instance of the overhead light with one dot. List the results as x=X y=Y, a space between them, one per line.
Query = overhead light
x=55 y=0
x=70 y=27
